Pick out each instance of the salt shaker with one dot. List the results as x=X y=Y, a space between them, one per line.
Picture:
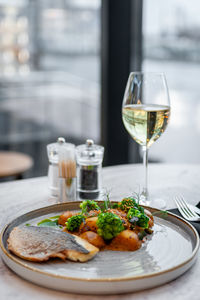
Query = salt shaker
x=53 y=174
x=89 y=159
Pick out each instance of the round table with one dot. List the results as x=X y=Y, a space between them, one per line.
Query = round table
x=14 y=164
x=165 y=180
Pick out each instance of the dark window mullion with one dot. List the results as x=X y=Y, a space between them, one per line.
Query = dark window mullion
x=119 y=35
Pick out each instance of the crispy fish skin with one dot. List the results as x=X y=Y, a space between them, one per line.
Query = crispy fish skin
x=40 y=243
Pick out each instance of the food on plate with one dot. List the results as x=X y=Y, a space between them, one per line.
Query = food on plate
x=38 y=244
x=93 y=238
x=120 y=226
x=109 y=225
x=78 y=236
x=63 y=218
x=74 y=222
x=127 y=240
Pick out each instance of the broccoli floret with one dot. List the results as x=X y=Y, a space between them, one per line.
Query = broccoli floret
x=88 y=205
x=127 y=203
x=140 y=208
x=143 y=221
x=109 y=225
x=74 y=222
x=136 y=217
x=133 y=212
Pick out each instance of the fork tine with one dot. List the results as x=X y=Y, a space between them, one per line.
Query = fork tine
x=192 y=213
x=184 y=208
x=180 y=207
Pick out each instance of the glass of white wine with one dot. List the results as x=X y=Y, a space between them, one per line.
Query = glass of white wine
x=145 y=114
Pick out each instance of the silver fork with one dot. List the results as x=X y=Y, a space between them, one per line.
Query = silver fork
x=187 y=212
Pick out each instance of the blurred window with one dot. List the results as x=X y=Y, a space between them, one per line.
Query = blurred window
x=171 y=31
x=49 y=74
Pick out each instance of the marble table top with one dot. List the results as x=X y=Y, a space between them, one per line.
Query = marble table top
x=165 y=181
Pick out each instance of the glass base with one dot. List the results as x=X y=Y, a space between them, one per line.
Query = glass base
x=156 y=203
x=144 y=200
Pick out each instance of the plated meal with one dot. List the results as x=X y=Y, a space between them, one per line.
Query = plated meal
x=80 y=235
x=165 y=246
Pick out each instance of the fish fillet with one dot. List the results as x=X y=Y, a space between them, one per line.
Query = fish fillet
x=40 y=243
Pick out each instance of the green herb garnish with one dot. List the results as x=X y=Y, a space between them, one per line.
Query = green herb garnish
x=52 y=221
x=55 y=217
x=162 y=213
x=107 y=203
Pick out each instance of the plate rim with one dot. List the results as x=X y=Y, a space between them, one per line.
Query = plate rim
x=108 y=279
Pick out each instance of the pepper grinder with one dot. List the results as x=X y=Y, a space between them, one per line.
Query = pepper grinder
x=89 y=159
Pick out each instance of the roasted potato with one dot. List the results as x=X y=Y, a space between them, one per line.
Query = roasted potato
x=90 y=224
x=63 y=218
x=126 y=240
x=93 y=238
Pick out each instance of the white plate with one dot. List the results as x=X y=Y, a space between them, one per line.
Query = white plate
x=169 y=252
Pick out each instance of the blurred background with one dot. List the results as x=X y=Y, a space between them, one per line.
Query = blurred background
x=64 y=66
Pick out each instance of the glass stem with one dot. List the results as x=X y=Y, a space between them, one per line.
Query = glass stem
x=145 y=194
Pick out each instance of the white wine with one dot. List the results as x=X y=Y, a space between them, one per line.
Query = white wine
x=145 y=123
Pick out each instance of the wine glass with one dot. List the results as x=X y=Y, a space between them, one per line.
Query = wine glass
x=145 y=114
